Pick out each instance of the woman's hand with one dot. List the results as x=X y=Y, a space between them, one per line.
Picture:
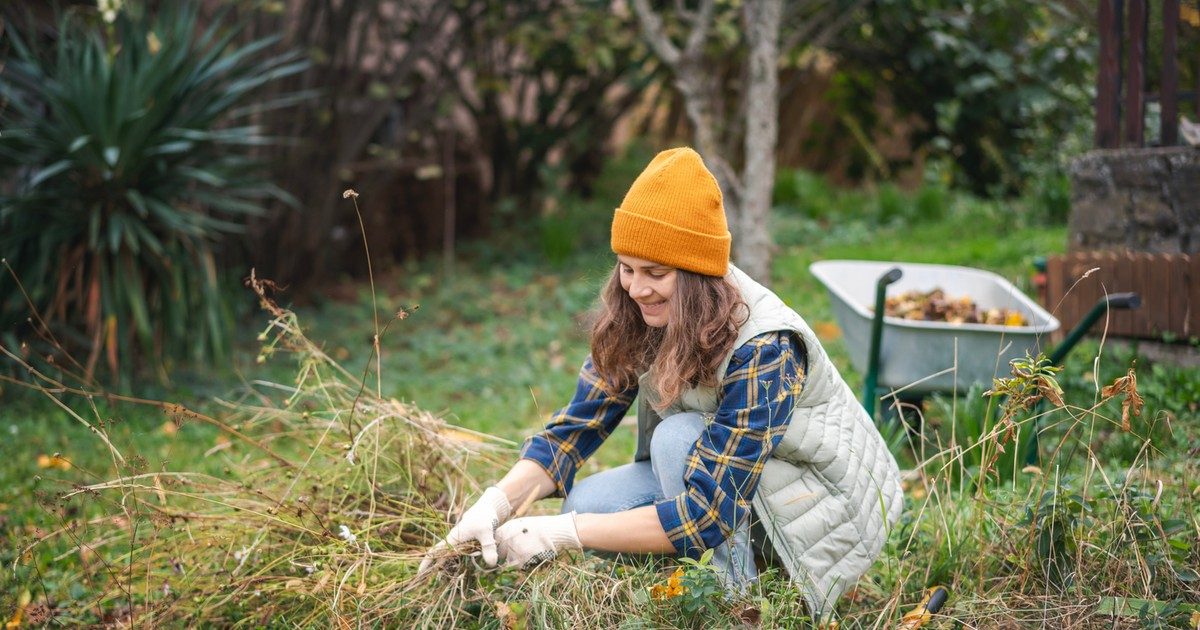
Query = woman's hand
x=477 y=523
x=525 y=542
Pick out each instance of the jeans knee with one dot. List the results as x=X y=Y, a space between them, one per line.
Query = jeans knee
x=674 y=438
x=613 y=490
x=581 y=500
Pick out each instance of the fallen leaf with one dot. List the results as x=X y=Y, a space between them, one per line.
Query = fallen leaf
x=748 y=614
x=827 y=331
x=22 y=603
x=507 y=618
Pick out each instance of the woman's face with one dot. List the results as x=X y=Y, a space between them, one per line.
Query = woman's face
x=650 y=285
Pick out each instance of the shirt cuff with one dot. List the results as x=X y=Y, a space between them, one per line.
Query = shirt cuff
x=680 y=535
x=541 y=452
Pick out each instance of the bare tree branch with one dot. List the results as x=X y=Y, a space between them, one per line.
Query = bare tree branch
x=831 y=26
x=695 y=41
x=652 y=30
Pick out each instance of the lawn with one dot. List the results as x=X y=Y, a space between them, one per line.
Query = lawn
x=495 y=348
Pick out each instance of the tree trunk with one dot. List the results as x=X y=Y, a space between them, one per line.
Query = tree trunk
x=752 y=238
x=748 y=197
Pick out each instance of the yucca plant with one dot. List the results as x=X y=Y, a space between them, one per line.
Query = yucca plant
x=128 y=157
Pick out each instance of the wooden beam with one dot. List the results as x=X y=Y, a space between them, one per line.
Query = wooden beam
x=1135 y=87
x=1168 y=95
x=1108 y=84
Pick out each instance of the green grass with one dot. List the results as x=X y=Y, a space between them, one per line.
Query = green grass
x=496 y=347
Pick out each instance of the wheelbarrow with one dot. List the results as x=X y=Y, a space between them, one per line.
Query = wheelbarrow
x=913 y=358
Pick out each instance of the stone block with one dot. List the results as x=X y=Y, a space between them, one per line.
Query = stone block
x=1090 y=176
x=1154 y=242
x=1189 y=240
x=1133 y=171
x=1183 y=186
x=1151 y=210
x=1099 y=220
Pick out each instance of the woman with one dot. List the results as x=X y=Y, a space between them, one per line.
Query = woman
x=742 y=418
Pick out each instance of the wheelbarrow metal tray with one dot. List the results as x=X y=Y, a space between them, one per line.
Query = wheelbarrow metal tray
x=911 y=351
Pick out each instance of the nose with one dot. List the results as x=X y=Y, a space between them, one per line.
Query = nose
x=639 y=288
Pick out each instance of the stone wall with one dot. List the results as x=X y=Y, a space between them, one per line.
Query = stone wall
x=1145 y=200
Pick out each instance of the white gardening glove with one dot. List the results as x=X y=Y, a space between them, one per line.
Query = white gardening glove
x=525 y=542
x=479 y=523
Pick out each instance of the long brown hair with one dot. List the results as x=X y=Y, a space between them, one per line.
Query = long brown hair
x=705 y=313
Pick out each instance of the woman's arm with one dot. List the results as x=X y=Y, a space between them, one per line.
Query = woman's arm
x=577 y=430
x=525 y=483
x=632 y=531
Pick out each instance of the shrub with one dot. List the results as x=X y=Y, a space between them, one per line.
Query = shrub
x=129 y=149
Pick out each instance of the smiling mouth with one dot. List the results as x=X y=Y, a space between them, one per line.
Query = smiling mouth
x=652 y=307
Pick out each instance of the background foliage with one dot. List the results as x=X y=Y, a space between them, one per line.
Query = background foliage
x=127 y=147
x=1000 y=88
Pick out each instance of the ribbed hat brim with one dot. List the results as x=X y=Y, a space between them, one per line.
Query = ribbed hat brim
x=643 y=237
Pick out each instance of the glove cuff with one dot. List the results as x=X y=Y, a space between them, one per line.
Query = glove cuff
x=562 y=532
x=495 y=498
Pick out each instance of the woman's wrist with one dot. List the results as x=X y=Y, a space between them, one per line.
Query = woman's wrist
x=525 y=483
x=632 y=531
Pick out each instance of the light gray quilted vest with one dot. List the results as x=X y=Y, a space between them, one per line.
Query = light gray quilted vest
x=831 y=489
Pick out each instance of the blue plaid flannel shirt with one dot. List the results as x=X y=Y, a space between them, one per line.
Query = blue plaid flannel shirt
x=755 y=403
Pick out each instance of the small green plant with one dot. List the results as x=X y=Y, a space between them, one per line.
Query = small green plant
x=1056 y=521
x=702 y=589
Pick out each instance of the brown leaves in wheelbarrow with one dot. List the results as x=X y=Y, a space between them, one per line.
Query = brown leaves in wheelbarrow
x=1132 y=405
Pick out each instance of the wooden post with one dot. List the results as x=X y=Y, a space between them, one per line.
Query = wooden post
x=1193 y=280
x=1108 y=87
x=1135 y=87
x=1155 y=302
x=1177 y=293
x=1054 y=295
x=1122 y=277
x=1168 y=96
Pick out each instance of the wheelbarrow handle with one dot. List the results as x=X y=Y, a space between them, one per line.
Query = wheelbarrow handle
x=1124 y=300
x=889 y=276
x=881 y=285
x=1110 y=301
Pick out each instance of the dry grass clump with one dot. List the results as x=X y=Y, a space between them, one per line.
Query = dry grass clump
x=321 y=522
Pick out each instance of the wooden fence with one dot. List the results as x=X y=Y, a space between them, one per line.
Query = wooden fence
x=1124 y=31
x=1169 y=285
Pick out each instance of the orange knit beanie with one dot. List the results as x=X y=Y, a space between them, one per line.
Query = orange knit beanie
x=673 y=215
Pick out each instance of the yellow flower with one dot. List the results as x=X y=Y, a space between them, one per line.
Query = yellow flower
x=672 y=588
x=53 y=461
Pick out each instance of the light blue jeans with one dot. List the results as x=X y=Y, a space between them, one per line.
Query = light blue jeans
x=647 y=482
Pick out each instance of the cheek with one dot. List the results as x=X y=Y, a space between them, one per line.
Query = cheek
x=667 y=290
